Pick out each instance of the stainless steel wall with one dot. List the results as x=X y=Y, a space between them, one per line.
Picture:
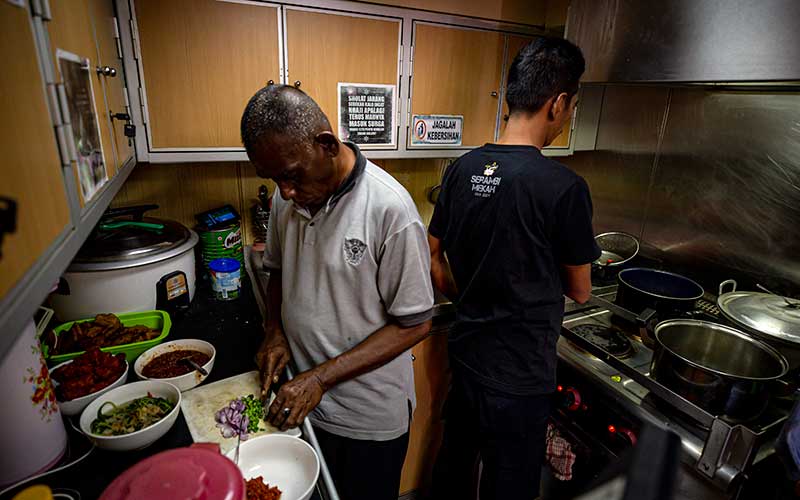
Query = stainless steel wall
x=714 y=189
x=687 y=40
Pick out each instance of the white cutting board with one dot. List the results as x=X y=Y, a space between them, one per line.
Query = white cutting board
x=199 y=406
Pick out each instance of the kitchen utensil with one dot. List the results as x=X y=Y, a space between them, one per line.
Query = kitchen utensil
x=187 y=380
x=720 y=369
x=32 y=433
x=617 y=248
x=125 y=394
x=75 y=406
x=121 y=264
x=641 y=288
x=770 y=317
x=199 y=471
x=287 y=462
x=158 y=320
x=195 y=366
x=199 y=406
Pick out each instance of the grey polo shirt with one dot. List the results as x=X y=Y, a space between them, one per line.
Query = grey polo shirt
x=358 y=264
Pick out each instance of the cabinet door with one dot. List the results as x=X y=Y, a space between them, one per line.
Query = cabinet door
x=202 y=60
x=515 y=44
x=356 y=50
x=431 y=380
x=102 y=12
x=31 y=173
x=71 y=30
x=457 y=71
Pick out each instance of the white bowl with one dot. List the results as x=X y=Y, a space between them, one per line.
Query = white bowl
x=124 y=394
x=76 y=406
x=182 y=382
x=284 y=461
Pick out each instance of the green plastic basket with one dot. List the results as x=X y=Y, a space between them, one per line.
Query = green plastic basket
x=157 y=320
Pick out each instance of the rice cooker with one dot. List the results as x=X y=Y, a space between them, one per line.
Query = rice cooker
x=129 y=265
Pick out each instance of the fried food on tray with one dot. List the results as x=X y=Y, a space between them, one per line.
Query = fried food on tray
x=257 y=490
x=104 y=331
x=88 y=373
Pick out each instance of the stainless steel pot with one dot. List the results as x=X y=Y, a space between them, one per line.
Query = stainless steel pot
x=718 y=368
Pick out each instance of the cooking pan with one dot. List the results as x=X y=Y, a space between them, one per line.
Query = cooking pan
x=718 y=368
x=667 y=293
x=618 y=249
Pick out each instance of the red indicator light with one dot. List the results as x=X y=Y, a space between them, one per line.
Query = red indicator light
x=612 y=429
x=584 y=407
x=560 y=388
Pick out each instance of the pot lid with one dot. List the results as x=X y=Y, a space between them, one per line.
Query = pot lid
x=764 y=313
x=180 y=473
x=126 y=243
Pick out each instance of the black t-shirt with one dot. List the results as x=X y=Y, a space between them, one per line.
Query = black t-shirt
x=508 y=219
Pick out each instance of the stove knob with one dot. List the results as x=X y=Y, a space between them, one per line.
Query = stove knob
x=624 y=434
x=572 y=399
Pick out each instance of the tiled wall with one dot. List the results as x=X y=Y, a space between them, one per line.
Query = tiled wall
x=185 y=189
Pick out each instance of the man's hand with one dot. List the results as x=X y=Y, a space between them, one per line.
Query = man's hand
x=295 y=400
x=272 y=358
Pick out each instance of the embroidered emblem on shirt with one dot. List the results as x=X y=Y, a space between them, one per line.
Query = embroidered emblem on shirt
x=489 y=169
x=354 y=251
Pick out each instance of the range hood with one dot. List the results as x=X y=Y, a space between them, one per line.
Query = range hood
x=696 y=41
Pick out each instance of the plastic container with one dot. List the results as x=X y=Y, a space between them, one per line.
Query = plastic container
x=195 y=472
x=158 y=320
x=226 y=278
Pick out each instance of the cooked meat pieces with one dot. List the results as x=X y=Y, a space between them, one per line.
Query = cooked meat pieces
x=88 y=373
x=105 y=330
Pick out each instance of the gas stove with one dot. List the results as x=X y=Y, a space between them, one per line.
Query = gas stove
x=605 y=359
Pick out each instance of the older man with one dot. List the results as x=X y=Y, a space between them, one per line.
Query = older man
x=349 y=291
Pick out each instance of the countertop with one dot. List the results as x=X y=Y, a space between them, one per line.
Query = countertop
x=234 y=327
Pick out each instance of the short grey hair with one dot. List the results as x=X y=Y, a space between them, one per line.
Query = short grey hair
x=284 y=110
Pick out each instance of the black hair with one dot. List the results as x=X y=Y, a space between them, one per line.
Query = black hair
x=281 y=109
x=543 y=69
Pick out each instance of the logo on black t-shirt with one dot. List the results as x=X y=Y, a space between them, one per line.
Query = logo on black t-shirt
x=484 y=186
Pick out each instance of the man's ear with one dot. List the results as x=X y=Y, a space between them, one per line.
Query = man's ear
x=329 y=142
x=558 y=105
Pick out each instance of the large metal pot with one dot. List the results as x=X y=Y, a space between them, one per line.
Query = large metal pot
x=771 y=318
x=642 y=288
x=718 y=368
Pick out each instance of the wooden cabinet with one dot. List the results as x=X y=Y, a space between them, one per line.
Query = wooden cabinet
x=105 y=31
x=71 y=31
x=432 y=379
x=515 y=44
x=201 y=62
x=458 y=71
x=31 y=173
x=355 y=50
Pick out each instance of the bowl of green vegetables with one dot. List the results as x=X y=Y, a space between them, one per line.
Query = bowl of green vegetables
x=131 y=416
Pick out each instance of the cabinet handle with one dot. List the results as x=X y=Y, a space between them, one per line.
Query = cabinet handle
x=494 y=93
x=413 y=358
x=271 y=82
x=107 y=71
x=297 y=84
